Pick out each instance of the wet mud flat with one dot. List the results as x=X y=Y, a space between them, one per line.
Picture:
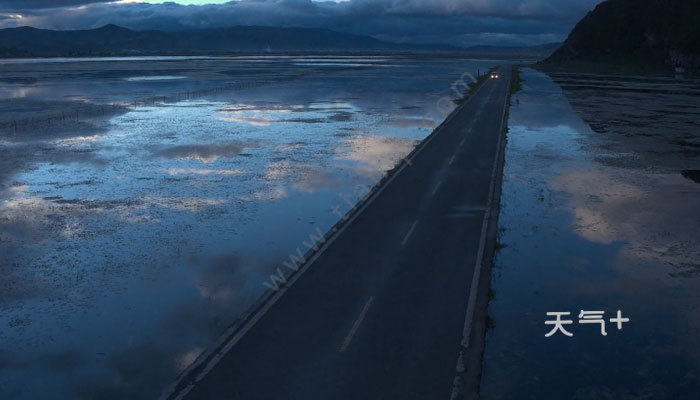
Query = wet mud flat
x=599 y=212
x=130 y=240
x=48 y=93
x=647 y=121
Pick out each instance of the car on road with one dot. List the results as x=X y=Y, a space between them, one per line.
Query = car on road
x=494 y=75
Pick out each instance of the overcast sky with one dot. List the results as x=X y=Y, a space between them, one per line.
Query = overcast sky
x=457 y=22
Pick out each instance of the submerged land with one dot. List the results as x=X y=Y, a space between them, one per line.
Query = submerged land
x=155 y=219
x=134 y=235
x=597 y=213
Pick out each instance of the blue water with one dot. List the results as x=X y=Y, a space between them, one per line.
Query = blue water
x=130 y=243
x=583 y=232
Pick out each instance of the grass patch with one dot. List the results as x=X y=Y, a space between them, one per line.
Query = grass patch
x=490 y=323
x=516 y=82
x=500 y=245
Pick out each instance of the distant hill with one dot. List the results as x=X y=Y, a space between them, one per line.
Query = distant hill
x=539 y=51
x=112 y=40
x=115 y=40
x=652 y=33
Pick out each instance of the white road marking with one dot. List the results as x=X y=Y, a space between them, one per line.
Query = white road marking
x=436 y=188
x=356 y=326
x=405 y=239
x=452 y=159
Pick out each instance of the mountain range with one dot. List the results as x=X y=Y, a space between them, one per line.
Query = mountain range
x=112 y=40
x=116 y=40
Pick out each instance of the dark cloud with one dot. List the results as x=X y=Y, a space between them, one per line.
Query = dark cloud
x=22 y=5
x=461 y=22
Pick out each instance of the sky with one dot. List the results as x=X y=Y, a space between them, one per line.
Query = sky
x=455 y=22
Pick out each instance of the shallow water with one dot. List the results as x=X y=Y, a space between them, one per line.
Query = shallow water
x=131 y=240
x=589 y=223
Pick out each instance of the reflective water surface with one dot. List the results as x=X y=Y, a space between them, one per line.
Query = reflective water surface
x=132 y=236
x=598 y=220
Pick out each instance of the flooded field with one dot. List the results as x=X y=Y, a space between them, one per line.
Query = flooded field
x=599 y=212
x=144 y=203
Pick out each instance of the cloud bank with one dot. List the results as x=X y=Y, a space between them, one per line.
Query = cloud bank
x=457 y=22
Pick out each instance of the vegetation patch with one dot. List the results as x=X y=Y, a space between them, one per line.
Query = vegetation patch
x=516 y=81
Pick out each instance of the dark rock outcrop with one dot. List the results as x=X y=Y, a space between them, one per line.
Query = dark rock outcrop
x=645 y=33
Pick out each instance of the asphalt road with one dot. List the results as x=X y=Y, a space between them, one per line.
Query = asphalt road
x=380 y=313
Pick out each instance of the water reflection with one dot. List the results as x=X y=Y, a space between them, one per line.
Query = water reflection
x=206 y=153
x=375 y=154
x=586 y=234
x=130 y=241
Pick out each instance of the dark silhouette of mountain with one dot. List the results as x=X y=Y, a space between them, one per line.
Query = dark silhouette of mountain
x=115 y=40
x=643 y=33
x=112 y=40
x=539 y=51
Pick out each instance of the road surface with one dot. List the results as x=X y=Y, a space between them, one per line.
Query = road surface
x=380 y=312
